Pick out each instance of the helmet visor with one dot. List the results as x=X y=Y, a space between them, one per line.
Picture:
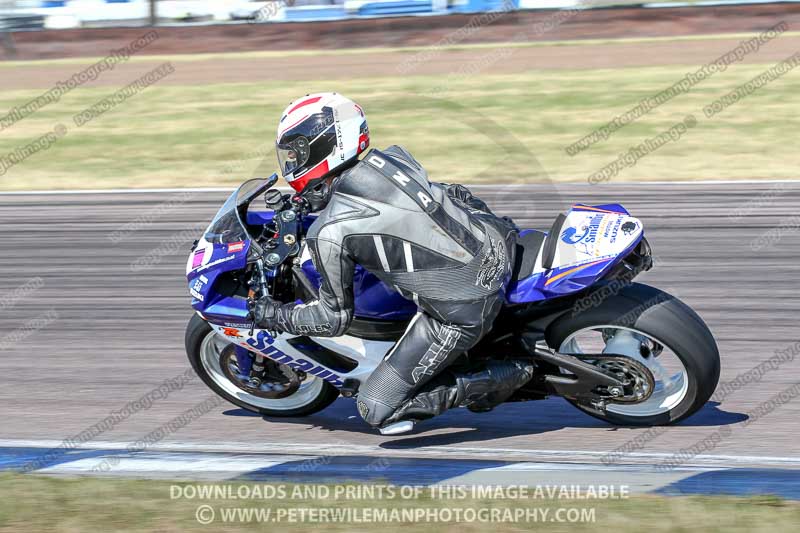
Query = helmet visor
x=292 y=155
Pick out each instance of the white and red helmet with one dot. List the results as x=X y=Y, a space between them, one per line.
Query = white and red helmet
x=318 y=134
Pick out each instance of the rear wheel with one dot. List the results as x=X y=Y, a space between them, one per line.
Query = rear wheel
x=283 y=393
x=658 y=331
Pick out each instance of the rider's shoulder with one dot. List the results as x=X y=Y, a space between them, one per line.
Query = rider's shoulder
x=399 y=152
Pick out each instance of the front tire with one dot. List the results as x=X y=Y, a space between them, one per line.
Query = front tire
x=202 y=343
x=653 y=318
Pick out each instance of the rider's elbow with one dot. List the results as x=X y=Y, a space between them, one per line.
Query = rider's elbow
x=341 y=323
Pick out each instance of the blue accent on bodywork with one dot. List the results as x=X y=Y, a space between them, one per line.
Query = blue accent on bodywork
x=373 y=298
x=535 y=287
x=221 y=261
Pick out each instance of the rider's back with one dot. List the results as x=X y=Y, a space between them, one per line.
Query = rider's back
x=387 y=216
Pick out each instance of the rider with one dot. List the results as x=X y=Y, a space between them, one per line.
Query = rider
x=436 y=244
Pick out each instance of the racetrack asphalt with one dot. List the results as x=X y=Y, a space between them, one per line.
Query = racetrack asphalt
x=113 y=331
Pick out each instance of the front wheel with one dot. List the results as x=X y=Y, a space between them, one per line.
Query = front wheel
x=287 y=394
x=657 y=330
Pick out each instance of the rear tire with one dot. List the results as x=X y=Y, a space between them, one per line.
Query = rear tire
x=662 y=317
x=321 y=396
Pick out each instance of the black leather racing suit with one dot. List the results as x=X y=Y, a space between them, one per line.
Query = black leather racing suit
x=437 y=244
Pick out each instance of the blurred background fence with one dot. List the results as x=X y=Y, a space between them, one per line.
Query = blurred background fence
x=16 y=15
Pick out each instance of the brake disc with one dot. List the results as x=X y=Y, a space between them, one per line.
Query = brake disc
x=278 y=381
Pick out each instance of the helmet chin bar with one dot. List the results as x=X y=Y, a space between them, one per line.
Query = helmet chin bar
x=319 y=194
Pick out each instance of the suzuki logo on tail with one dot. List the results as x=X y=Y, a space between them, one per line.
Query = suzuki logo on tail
x=263 y=344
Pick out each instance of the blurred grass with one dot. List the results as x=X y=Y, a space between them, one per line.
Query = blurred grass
x=483 y=128
x=36 y=503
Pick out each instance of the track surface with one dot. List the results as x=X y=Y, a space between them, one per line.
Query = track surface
x=119 y=331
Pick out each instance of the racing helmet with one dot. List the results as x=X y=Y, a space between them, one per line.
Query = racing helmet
x=318 y=135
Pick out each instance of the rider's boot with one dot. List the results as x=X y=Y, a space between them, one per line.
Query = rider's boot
x=479 y=392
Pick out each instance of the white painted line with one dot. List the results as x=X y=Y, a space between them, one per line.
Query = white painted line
x=440 y=452
x=163 y=463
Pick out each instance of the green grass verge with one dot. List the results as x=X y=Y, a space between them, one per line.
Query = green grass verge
x=483 y=128
x=33 y=503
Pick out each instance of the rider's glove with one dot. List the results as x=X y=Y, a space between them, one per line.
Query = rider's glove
x=265 y=313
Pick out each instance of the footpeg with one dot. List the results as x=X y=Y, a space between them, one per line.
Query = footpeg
x=404 y=426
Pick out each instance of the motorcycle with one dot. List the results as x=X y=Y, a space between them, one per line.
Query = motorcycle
x=620 y=351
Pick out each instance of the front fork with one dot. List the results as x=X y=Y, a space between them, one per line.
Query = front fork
x=247 y=365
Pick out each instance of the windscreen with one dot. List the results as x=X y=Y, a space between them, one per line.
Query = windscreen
x=227 y=225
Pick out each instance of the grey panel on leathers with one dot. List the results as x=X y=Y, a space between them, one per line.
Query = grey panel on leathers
x=436 y=243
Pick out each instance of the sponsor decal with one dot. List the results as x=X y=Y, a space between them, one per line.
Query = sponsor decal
x=197 y=258
x=217 y=262
x=574 y=235
x=235 y=247
x=231 y=332
x=313 y=328
x=628 y=227
x=436 y=354
x=615 y=230
x=363 y=410
x=197 y=286
x=339 y=140
x=239 y=325
x=263 y=344
x=585 y=232
x=594 y=227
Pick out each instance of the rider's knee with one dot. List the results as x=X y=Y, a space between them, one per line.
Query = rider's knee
x=382 y=393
